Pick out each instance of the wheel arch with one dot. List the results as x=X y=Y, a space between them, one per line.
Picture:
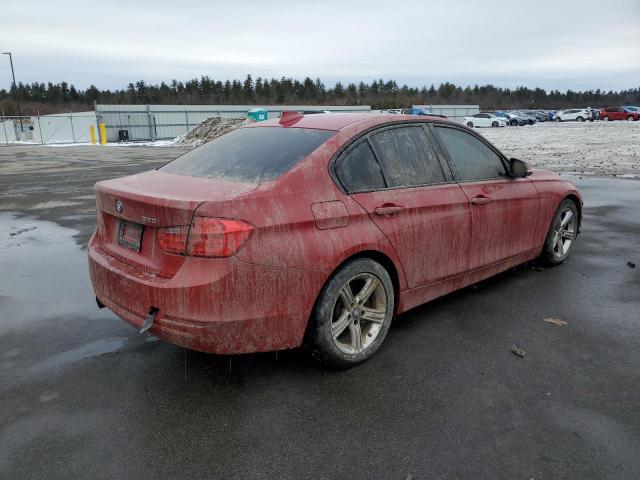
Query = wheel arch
x=575 y=199
x=380 y=257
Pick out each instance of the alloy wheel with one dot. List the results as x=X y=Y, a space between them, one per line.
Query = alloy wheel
x=359 y=313
x=564 y=234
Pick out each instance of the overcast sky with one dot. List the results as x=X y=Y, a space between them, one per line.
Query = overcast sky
x=553 y=44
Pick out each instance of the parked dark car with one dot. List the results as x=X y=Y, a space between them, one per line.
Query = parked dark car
x=541 y=116
x=530 y=119
x=511 y=118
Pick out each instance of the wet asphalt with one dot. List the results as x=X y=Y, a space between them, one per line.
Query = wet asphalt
x=83 y=395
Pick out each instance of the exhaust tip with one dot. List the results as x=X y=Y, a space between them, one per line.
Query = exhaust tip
x=148 y=322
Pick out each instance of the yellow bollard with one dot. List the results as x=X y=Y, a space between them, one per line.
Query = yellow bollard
x=92 y=132
x=103 y=134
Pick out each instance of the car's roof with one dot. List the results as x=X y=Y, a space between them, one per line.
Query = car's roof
x=338 y=121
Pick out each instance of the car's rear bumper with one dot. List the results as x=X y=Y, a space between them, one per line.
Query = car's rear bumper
x=212 y=305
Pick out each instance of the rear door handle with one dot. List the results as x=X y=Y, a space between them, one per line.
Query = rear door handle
x=480 y=200
x=388 y=210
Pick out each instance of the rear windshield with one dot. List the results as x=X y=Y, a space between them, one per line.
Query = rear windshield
x=249 y=154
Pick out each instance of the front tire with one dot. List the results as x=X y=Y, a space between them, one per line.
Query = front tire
x=630 y=118
x=513 y=123
x=562 y=233
x=557 y=119
x=470 y=124
x=352 y=315
x=494 y=124
x=606 y=119
x=580 y=119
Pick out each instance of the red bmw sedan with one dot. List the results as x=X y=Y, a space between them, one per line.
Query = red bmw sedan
x=316 y=230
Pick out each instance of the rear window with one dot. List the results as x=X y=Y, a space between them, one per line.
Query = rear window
x=250 y=154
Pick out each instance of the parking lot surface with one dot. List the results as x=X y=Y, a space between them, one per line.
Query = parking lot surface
x=84 y=395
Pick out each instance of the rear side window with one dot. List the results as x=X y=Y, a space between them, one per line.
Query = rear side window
x=358 y=170
x=250 y=154
x=471 y=158
x=407 y=157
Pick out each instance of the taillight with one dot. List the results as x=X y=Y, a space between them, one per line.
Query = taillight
x=217 y=237
x=206 y=237
x=173 y=239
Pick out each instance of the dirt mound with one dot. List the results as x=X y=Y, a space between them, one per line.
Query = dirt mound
x=209 y=129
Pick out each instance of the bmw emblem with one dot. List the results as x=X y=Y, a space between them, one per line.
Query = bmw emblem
x=119 y=206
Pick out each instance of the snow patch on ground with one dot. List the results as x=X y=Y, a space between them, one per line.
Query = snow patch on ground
x=54 y=204
x=598 y=148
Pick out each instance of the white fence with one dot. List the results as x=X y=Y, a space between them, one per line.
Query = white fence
x=157 y=122
x=7 y=131
x=160 y=122
x=63 y=128
x=44 y=129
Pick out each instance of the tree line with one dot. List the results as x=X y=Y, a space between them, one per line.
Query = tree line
x=379 y=94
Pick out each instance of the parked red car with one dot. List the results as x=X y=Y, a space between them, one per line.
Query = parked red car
x=618 y=113
x=317 y=230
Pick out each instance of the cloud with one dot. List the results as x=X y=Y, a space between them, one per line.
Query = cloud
x=544 y=43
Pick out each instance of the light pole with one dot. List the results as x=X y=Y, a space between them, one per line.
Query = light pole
x=16 y=87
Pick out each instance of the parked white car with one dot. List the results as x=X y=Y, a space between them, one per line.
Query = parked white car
x=484 y=120
x=579 y=114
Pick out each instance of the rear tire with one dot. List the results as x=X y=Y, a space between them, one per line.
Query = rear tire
x=562 y=233
x=513 y=123
x=352 y=315
x=606 y=119
x=630 y=118
x=470 y=124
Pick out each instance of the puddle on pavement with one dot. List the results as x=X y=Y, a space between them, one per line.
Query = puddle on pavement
x=93 y=349
x=44 y=274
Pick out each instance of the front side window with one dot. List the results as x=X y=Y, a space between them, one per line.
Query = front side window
x=471 y=158
x=358 y=170
x=255 y=154
x=406 y=156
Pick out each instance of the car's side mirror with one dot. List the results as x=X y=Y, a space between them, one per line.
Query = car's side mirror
x=519 y=169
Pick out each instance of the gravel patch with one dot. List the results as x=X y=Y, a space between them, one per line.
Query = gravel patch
x=208 y=130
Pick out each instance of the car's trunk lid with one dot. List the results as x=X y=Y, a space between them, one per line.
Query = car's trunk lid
x=150 y=201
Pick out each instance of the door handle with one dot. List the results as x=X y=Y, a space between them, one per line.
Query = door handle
x=480 y=200
x=388 y=210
